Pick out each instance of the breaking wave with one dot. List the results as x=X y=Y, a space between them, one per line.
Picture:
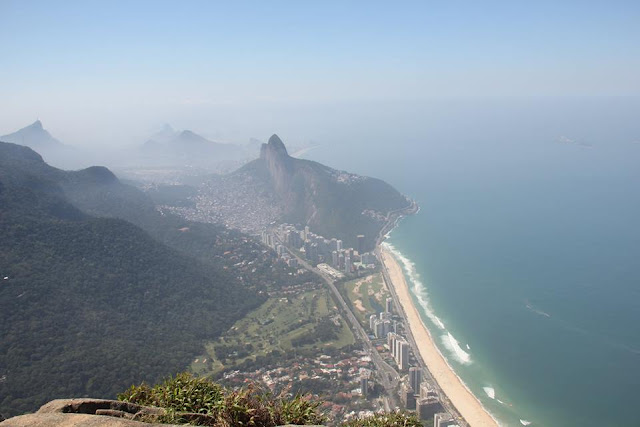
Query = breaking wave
x=490 y=392
x=454 y=347
x=421 y=294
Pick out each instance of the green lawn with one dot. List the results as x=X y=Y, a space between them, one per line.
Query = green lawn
x=366 y=295
x=273 y=326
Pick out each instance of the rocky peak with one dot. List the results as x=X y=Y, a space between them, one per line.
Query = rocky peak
x=36 y=125
x=274 y=148
x=278 y=162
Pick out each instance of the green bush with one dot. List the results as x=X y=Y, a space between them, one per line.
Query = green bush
x=392 y=419
x=199 y=401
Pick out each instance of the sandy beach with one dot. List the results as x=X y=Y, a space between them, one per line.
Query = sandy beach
x=464 y=401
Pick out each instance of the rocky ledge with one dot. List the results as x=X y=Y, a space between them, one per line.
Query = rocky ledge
x=86 y=412
x=92 y=413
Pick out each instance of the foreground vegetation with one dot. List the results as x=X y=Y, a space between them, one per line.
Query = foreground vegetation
x=198 y=401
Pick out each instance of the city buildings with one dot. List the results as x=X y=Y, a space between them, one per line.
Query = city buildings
x=427 y=408
x=415 y=378
x=443 y=419
x=402 y=354
x=389 y=305
x=407 y=396
x=318 y=249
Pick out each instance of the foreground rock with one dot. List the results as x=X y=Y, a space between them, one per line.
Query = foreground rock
x=90 y=413
x=86 y=412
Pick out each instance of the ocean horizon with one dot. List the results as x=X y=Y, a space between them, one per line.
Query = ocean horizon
x=524 y=265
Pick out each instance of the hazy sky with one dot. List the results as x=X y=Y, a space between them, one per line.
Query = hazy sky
x=113 y=71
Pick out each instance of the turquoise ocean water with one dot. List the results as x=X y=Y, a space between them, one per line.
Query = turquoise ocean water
x=525 y=256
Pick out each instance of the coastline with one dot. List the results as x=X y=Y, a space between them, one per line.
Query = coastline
x=458 y=394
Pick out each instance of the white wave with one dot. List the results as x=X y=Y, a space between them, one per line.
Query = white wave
x=468 y=348
x=420 y=291
x=536 y=310
x=454 y=347
x=490 y=392
x=525 y=422
x=500 y=401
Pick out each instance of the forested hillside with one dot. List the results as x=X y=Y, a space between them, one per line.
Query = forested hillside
x=89 y=304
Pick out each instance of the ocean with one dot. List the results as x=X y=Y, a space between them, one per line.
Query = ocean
x=525 y=256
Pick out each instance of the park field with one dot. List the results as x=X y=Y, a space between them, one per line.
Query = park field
x=366 y=295
x=306 y=321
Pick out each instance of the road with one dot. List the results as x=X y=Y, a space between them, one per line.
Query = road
x=388 y=376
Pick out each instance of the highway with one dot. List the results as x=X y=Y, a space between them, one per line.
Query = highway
x=388 y=377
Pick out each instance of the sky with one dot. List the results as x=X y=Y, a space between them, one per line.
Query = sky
x=112 y=72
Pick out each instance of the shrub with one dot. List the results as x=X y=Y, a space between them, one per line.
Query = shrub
x=199 y=401
x=391 y=419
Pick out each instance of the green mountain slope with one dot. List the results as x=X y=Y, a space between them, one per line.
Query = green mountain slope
x=333 y=203
x=90 y=304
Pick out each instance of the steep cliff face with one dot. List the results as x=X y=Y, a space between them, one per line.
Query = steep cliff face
x=333 y=203
x=279 y=164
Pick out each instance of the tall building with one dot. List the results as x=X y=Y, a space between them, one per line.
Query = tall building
x=384 y=315
x=338 y=245
x=372 y=319
x=386 y=327
x=389 y=305
x=391 y=343
x=360 y=244
x=415 y=378
x=407 y=396
x=427 y=391
x=367 y=258
x=381 y=328
x=306 y=232
x=334 y=259
x=364 y=385
x=443 y=419
x=347 y=264
x=428 y=407
x=402 y=355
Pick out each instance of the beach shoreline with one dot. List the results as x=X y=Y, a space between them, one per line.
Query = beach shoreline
x=465 y=402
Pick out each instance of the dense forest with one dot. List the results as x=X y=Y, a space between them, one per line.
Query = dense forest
x=90 y=300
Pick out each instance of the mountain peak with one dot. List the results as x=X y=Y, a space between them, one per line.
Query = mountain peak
x=276 y=143
x=274 y=148
x=34 y=136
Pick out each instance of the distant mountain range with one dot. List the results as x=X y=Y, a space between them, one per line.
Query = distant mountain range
x=33 y=136
x=171 y=147
x=166 y=148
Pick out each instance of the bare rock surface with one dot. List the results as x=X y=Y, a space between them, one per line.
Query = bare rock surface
x=85 y=412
